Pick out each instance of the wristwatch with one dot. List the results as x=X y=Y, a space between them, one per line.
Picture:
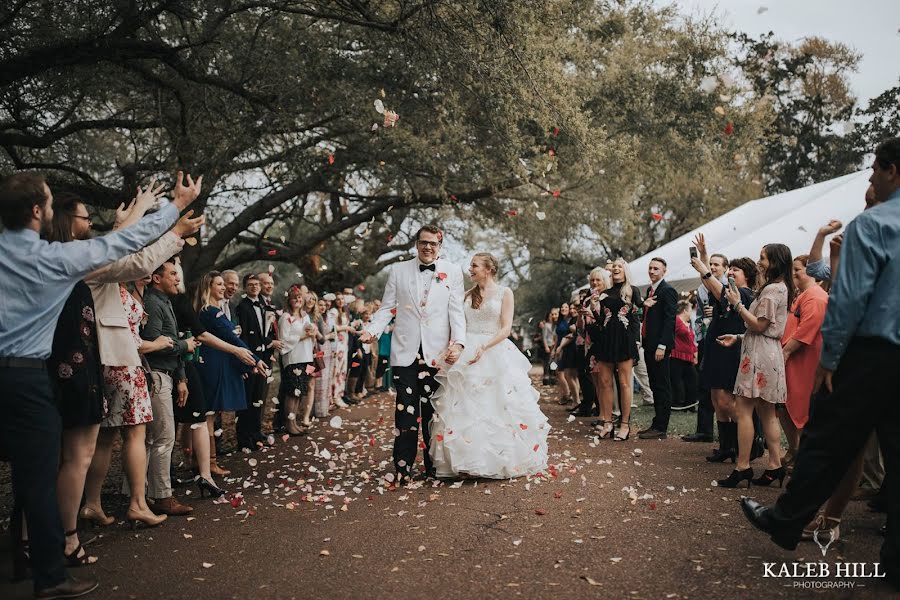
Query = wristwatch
x=707 y=275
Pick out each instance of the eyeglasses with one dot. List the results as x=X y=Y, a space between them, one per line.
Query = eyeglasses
x=88 y=219
x=427 y=244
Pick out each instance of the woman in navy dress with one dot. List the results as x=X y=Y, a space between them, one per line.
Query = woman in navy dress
x=222 y=373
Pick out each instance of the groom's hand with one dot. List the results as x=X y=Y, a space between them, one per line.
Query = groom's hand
x=453 y=353
x=365 y=337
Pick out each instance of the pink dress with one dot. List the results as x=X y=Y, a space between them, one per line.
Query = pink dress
x=125 y=388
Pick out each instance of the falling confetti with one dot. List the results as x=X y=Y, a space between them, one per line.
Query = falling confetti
x=379 y=106
x=336 y=422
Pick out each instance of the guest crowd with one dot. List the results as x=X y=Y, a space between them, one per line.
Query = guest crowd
x=781 y=345
x=100 y=339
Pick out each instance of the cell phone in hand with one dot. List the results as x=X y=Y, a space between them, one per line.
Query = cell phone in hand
x=731 y=284
x=693 y=250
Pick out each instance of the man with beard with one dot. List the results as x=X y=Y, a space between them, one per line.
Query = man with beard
x=43 y=275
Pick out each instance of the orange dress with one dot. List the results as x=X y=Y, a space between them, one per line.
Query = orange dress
x=804 y=324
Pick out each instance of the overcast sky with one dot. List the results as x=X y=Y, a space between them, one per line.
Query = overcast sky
x=868 y=26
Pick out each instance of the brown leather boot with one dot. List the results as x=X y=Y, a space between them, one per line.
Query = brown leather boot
x=170 y=506
x=214 y=468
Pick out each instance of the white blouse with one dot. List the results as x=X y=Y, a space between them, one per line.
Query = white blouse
x=298 y=347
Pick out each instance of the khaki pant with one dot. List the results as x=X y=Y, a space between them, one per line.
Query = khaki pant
x=160 y=438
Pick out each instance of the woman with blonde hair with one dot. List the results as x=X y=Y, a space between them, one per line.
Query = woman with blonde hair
x=327 y=337
x=615 y=338
x=220 y=370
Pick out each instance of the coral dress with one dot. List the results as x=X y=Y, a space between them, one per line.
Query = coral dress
x=804 y=324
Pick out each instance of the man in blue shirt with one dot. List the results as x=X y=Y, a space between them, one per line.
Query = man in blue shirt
x=36 y=277
x=860 y=350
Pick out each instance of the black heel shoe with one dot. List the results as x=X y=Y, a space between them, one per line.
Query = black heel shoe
x=21 y=562
x=608 y=435
x=770 y=475
x=721 y=455
x=736 y=477
x=209 y=487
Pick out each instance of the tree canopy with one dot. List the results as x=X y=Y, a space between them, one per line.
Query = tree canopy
x=559 y=133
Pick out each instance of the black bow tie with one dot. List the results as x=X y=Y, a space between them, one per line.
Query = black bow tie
x=256 y=303
x=426 y=267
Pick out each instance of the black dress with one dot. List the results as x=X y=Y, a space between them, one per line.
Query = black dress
x=194 y=410
x=567 y=356
x=720 y=364
x=616 y=332
x=74 y=362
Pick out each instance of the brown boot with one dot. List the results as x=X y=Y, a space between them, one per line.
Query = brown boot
x=170 y=506
x=214 y=468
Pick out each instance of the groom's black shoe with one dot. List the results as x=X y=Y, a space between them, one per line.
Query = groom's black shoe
x=425 y=475
x=763 y=519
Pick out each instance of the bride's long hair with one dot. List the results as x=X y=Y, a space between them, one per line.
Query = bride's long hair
x=489 y=261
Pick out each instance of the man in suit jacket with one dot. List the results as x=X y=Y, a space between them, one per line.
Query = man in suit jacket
x=658 y=339
x=259 y=335
x=232 y=281
x=426 y=295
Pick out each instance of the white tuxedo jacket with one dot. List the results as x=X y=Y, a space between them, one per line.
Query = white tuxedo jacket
x=433 y=326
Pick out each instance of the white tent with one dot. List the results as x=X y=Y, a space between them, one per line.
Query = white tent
x=791 y=218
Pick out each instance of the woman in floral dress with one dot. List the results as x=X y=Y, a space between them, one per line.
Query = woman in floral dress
x=126 y=391
x=760 y=382
x=341 y=321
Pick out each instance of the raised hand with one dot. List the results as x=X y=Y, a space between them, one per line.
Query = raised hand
x=185 y=194
x=700 y=243
x=187 y=225
x=831 y=227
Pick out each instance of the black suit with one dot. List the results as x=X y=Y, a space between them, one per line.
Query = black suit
x=658 y=329
x=249 y=421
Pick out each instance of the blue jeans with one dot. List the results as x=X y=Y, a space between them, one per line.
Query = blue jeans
x=30 y=431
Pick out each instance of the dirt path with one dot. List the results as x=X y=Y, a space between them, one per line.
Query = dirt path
x=314 y=518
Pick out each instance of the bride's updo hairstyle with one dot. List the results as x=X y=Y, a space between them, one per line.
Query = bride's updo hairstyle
x=489 y=261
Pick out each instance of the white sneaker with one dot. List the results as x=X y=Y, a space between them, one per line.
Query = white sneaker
x=341 y=404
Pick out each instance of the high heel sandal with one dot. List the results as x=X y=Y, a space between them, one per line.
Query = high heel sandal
x=79 y=556
x=136 y=518
x=770 y=475
x=605 y=434
x=736 y=477
x=208 y=487
x=618 y=437
x=94 y=518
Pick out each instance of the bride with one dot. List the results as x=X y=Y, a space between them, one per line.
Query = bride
x=486 y=418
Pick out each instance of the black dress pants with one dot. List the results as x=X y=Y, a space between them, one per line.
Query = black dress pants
x=412 y=414
x=248 y=429
x=661 y=385
x=840 y=424
x=30 y=431
x=683 y=376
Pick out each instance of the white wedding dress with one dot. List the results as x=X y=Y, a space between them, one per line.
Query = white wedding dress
x=487 y=422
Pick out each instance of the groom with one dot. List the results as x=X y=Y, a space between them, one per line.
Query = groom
x=426 y=295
